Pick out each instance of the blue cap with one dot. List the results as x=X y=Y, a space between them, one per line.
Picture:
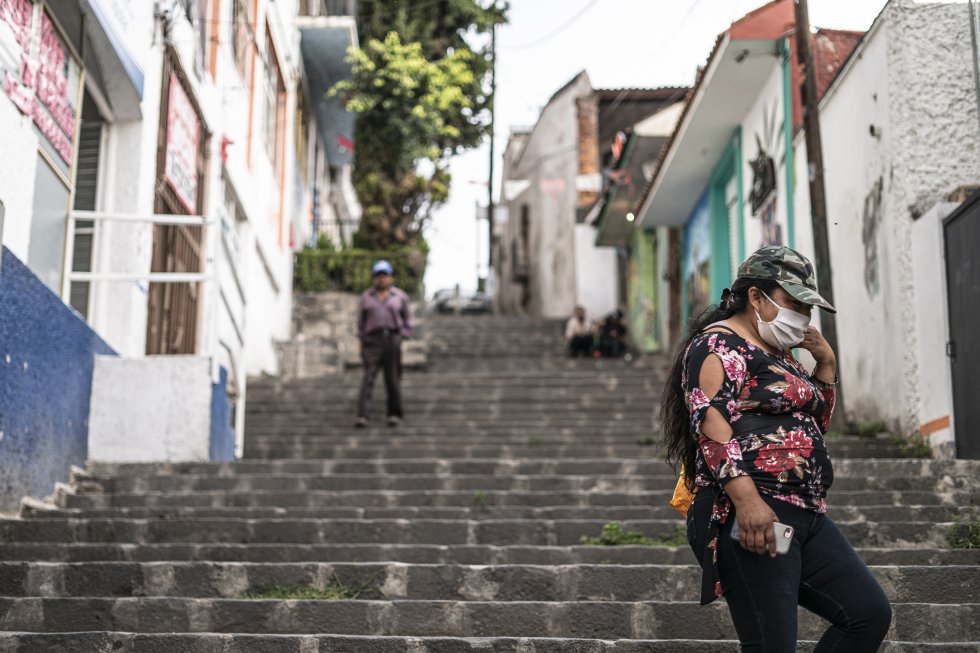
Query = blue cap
x=382 y=267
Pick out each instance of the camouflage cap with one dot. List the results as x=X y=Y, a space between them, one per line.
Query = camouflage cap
x=790 y=269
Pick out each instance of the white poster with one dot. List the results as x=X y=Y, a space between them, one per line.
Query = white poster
x=180 y=168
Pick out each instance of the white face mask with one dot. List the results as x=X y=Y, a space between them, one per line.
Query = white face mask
x=786 y=330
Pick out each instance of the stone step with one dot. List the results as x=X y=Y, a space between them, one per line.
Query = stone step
x=465 y=498
x=400 y=444
x=428 y=466
x=234 y=643
x=842 y=468
x=479 y=481
x=332 y=391
x=618 y=513
x=573 y=372
x=425 y=553
x=421 y=582
x=416 y=531
x=378 y=431
x=588 y=390
x=311 y=448
x=583 y=422
x=587 y=619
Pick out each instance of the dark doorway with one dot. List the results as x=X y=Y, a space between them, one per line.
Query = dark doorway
x=962 y=235
x=86 y=195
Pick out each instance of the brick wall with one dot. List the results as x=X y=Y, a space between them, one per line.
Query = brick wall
x=588 y=144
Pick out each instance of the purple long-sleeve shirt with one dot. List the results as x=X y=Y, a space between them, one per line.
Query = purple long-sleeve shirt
x=392 y=313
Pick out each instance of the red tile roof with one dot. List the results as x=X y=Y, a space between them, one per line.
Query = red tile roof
x=831 y=50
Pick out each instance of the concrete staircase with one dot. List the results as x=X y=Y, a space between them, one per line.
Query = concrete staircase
x=459 y=531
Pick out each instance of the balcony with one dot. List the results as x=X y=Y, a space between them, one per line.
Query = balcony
x=318 y=8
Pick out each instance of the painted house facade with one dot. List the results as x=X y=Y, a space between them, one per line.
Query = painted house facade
x=735 y=177
x=546 y=257
x=162 y=163
x=900 y=136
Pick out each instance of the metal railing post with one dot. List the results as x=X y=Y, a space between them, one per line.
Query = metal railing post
x=69 y=258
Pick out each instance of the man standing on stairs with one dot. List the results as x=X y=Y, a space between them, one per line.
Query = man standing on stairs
x=383 y=321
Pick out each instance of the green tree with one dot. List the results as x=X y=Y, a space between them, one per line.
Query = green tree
x=418 y=90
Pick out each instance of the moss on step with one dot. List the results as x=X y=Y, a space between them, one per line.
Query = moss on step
x=336 y=590
x=614 y=535
x=964 y=535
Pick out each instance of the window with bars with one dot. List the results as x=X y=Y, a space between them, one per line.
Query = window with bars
x=275 y=97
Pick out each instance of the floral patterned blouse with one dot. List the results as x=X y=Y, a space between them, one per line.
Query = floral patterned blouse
x=778 y=413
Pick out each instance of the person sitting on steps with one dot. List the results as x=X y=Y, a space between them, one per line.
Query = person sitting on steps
x=578 y=334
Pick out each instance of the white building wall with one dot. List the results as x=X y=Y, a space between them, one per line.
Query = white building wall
x=861 y=238
x=245 y=310
x=910 y=84
x=118 y=310
x=17 y=176
x=763 y=125
x=596 y=285
x=551 y=158
x=565 y=267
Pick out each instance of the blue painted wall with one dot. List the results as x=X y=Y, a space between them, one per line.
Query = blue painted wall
x=47 y=352
x=222 y=433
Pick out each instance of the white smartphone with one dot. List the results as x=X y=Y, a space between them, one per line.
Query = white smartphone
x=783 y=533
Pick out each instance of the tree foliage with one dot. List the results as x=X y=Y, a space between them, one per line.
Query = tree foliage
x=418 y=90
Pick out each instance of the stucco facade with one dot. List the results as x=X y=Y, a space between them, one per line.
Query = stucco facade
x=899 y=134
x=547 y=263
x=251 y=161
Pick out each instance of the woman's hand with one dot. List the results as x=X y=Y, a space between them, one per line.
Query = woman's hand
x=755 y=517
x=755 y=531
x=819 y=348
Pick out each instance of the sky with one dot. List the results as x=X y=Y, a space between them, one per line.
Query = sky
x=620 y=43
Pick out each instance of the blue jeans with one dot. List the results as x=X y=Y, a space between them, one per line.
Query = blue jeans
x=821 y=572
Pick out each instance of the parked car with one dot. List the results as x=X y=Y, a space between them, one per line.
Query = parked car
x=477 y=303
x=446 y=301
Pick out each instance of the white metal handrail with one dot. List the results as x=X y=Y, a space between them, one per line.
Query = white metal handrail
x=133 y=218
x=151 y=218
x=149 y=277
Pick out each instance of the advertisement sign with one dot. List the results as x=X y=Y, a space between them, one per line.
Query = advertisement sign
x=46 y=86
x=56 y=88
x=180 y=167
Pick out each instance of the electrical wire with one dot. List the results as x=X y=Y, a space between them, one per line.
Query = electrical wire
x=612 y=106
x=561 y=28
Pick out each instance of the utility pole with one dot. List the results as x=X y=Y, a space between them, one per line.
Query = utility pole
x=493 y=111
x=818 y=198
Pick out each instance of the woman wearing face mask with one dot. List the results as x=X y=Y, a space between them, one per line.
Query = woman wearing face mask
x=746 y=420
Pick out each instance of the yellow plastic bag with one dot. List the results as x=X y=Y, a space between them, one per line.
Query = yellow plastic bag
x=683 y=497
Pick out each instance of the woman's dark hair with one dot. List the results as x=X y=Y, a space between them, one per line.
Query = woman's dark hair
x=675 y=418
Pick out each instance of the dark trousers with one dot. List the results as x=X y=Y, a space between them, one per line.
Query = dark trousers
x=821 y=572
x=382 y=352
x=580 y=345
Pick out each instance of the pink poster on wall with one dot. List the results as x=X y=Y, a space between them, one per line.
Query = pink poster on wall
x=16 y=16
x=180 y=166
x=46 y=87
x=57 y=93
